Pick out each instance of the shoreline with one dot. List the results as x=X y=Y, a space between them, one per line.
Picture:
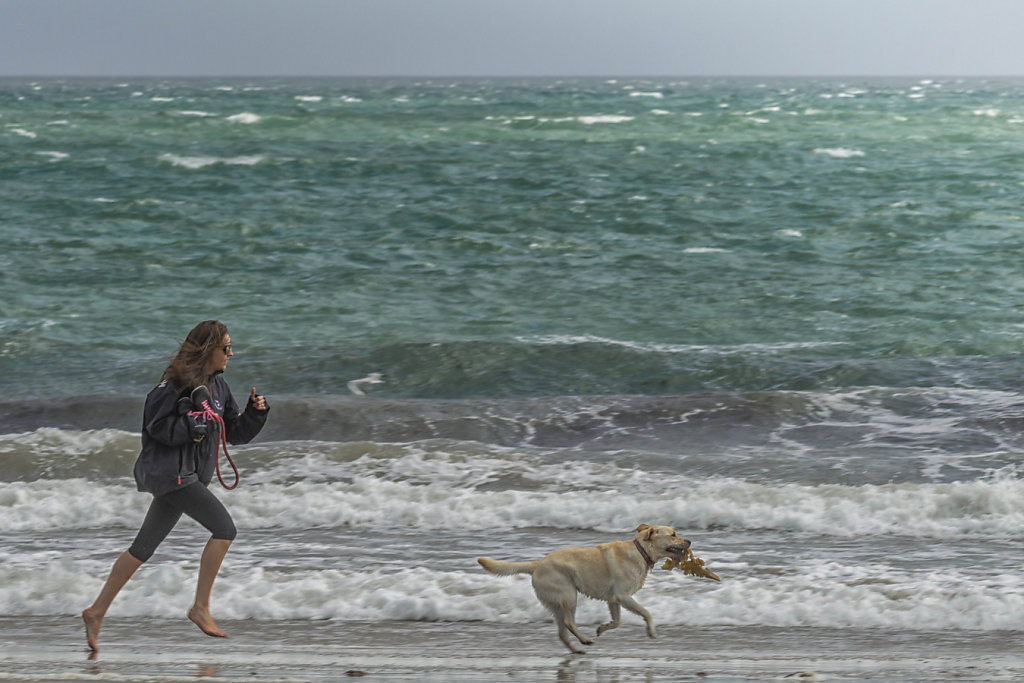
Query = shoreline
x=53 y=648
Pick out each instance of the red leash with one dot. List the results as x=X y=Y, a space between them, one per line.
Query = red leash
x=207 y=414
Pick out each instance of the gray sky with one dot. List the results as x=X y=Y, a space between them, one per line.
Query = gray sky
x=512 y=37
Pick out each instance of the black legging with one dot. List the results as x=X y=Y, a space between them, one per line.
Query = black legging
x=196 y=501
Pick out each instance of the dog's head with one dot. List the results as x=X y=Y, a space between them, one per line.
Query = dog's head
x=661 y=541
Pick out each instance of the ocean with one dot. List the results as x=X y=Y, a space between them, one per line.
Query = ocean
x=497 y=317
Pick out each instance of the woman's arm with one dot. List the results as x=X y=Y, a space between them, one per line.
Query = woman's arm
x=166 y=418
x=243 y=426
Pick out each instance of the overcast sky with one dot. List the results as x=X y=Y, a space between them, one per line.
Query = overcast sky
x=512 y=37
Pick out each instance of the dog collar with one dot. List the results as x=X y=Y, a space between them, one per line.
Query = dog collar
x=647 y=558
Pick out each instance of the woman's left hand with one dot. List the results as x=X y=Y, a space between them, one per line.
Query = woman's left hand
x=258 y=402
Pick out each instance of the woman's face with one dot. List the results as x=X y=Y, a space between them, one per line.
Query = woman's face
x=219 y=359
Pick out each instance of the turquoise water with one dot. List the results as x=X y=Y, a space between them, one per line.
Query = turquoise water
x=781 y=316
x=497 y=238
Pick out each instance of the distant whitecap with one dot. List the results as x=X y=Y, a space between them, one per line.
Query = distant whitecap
x=54 y=156
x=839 y=152
x=604 y=118
x=197 y=162
x=245 y=117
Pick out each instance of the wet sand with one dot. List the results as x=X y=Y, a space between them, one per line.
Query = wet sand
x=39 y=649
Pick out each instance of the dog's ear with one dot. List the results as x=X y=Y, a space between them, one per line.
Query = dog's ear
x=648 y=529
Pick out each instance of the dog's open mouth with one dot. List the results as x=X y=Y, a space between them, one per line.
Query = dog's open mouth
x=677 y=549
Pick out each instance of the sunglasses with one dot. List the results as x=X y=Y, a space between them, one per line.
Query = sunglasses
x=226 y=349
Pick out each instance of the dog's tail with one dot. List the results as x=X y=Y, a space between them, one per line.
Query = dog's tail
x=506 y=568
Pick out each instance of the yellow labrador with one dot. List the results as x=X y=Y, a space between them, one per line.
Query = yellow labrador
x=610 y=571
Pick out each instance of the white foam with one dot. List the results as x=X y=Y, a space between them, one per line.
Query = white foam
x=557 y=339
x=655 y=94
x=839 y=152
x=309 y=485
x=817 y=593
x=604 y=118
x=48 y=504
x=23 y=133
x=197 y=162
x=56 y=443
x=245 y=117
x=54 y=156
x=309 y=98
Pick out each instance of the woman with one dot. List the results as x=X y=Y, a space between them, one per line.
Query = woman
x=177 y=462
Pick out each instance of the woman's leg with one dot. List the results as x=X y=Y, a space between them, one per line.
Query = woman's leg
x=199 y=503
x=123 y=569
x=160 y=519
x=209 y=565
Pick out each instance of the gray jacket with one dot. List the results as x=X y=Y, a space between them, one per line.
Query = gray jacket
x=170 y=458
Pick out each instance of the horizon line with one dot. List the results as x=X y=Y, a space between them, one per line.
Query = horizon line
x=481 y=76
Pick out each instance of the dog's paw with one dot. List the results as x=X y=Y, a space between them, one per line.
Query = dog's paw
x=651 y=633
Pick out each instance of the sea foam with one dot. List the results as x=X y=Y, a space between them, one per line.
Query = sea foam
x=450 y=492
x=839 y=152
x=819 y=594
x=604 y=118
x=245 y=117
x=197 y=162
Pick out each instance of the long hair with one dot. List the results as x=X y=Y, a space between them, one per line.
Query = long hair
x=187 y=368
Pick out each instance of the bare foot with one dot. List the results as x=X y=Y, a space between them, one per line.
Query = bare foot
x=92 y=628
x=200 y=616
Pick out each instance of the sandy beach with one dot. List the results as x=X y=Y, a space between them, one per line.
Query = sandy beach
x=40 y=649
